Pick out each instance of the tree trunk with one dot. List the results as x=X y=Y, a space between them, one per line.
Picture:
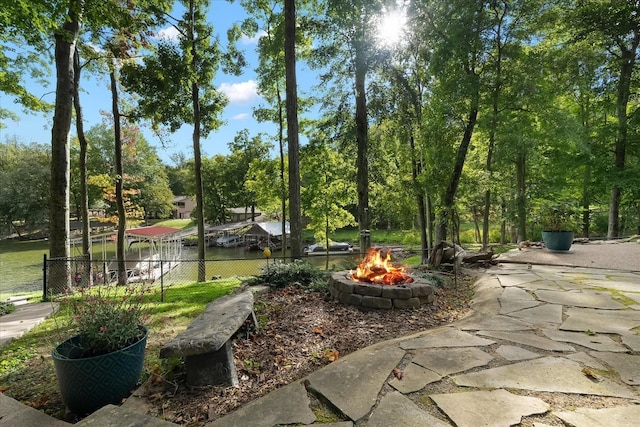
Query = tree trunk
x=521 y=170
x=503 y=224
x=283 y=185
x=586 y=200
x=87 y=277
x=292 y=127
x=197 y=156
x=362 y=161
x=627 y=61
x=122 y=220
x=420 y=201
x=452 y=188
x=59 y=277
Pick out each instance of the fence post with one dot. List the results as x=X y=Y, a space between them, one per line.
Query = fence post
x=161 y=281
x=44 y=277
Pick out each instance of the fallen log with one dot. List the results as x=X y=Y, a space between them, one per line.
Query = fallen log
x=449 y=253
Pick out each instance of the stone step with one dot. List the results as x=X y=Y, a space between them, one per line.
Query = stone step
x=117 y=416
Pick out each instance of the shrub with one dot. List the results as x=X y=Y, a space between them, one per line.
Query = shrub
x=6 y=307
x=280 y=275
x=106 y=318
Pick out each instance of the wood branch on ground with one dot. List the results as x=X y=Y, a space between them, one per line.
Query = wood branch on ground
x=450 y=253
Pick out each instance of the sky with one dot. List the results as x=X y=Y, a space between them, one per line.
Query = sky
x=241 y=90
x=95 y=96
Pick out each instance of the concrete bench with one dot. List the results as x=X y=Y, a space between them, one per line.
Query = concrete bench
x=206 y=343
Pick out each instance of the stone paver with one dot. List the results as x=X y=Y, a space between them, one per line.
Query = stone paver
x=623 y=284
x=445 y=337
x=585 y=417
x=593 y=341
x=605 y=321
x=352 y=384
x=627 y=365
x=15 y=414
x=585 y=359
x=513 y=353
x=286 y=405
x=509 y=306
x=396 y=410
x=493 y=323
x=552 y=374
x=633 y=296
x=488 y=408
x=546 y=313
x=452 y=360
x=588 y=299
x=515 y=299
x=518 y=279
x=514 y=293
x=414 y=378
x=529 y=339
x=631 y=340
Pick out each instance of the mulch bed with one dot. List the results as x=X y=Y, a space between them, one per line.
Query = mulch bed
x=299 y=333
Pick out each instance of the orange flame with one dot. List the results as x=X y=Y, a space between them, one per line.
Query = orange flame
x=375 y=269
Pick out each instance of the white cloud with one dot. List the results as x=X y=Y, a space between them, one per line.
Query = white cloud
x=170 y=34
x=241 y=93
x=253 y=40
x=241 y=116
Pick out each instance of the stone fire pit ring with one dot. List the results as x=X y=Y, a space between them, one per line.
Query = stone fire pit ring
x=374 y=296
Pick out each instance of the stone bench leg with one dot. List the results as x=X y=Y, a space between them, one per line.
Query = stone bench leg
x=215 y=368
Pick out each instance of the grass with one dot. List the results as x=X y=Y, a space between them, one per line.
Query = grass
x=26 y=368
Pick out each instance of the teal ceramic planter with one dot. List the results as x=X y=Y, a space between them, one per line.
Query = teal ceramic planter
x=89 y=383
x=557 y=240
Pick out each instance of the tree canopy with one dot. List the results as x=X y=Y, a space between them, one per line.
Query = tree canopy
x=480 y=113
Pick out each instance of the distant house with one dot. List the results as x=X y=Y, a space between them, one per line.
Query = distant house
x=183 y=206
x=242 y=214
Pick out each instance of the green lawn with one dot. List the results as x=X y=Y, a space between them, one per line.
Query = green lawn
x=26 y=369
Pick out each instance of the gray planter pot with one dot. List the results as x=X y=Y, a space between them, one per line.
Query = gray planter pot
x=560 y=241
x=89 y=383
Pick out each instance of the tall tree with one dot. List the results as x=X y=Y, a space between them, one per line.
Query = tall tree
x=25 y=175
x=348 y=52
x=65 y=47
x=327 y=191
x=617 y=23
x=266 y=19
x=295 y=213
x=176 y=87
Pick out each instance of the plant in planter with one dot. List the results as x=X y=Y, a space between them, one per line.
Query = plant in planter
x=101 y=362
x=558 y=220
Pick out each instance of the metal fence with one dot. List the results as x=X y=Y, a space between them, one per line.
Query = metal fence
x=78 y=271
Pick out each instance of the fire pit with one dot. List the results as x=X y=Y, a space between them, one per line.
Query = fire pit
x=378 y=284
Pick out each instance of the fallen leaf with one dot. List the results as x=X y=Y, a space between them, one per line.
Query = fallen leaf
x=38 y=403
x=589 y=373
x=398 y=373
x=318 y=331
x=3 y=389
x=331 y=355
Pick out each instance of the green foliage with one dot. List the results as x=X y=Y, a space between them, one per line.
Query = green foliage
x=555 y=215
x=435 y=280
x=14 y=357
x=25 y=176
x=107 y=318
x=301 y=273
x=7 y=307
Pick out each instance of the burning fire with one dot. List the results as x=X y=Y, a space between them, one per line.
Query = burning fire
x=375 y=269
